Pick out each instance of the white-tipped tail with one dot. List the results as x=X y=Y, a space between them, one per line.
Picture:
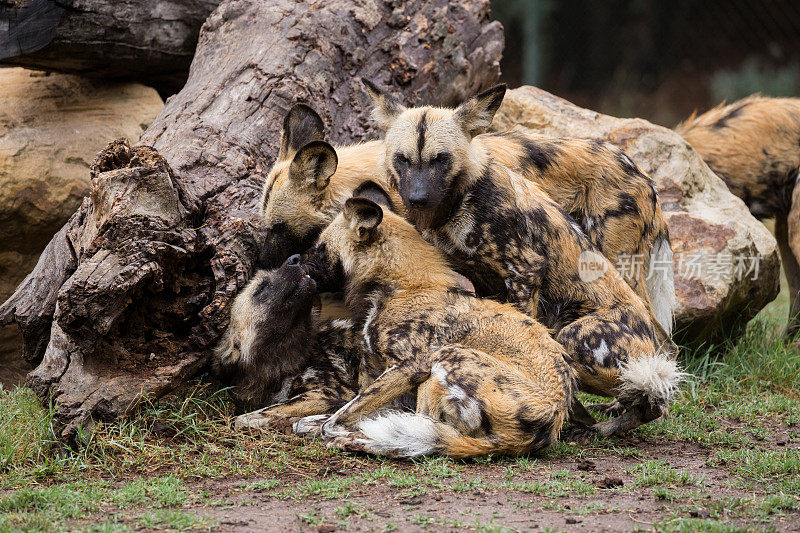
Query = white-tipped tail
x=655 y=376
x=397 y=434
x=660 y=284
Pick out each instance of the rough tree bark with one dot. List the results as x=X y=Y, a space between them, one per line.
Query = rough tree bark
x=133 y=291
x=149 y=42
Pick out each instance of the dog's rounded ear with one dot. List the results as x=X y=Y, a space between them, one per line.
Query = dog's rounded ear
x=385 y=107
x=300 y=126
x=476 y=114
x=372 y=191
x=364 y=216
x=314 y=164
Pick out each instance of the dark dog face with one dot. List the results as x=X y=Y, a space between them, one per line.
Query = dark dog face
x=273 y=308
x=428 y=149
x=271 y=333
x=325 y=268
x=282 y=242
x=282 y=297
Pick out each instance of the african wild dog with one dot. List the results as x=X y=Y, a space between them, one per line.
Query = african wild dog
x=593 y=181
x=487 y=378
x=505 y=231
x=599 y=186
x=754 y=146
x=309 y=183
x=276 y=354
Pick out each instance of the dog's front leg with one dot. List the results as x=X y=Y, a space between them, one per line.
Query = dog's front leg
x=392 y=384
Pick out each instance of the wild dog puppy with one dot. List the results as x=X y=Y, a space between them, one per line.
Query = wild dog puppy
x=277 y=355
x=488 y=379
x=597 y=184
x=754 y=146
x=508 y=233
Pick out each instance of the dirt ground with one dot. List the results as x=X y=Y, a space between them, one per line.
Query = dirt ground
x=727 y=459
x=592 y=490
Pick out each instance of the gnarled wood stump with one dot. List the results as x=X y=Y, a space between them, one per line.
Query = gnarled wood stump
x=130 y=295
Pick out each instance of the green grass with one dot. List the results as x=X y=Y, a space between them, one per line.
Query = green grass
x=159 y=492
x=754 y=508
x=775 y=471
x=327 y=488
x=140 y=473
x=262 y=485
x=470 y=485
x=26 y=435
x=172 y=520
x=312 y=518
x=51 y=508
x=659 y=472
x=695 y=525
x=753 y=383
x=558 y=484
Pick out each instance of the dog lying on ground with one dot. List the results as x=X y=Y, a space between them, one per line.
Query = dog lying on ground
x=502 y=230
x=278 y=355
x=754 y=146
x=487 y=378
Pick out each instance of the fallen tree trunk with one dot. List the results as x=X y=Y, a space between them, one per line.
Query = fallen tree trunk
x=130 y=295
x=148 y=42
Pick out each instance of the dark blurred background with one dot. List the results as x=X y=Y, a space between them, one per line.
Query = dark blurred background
x=655 y=59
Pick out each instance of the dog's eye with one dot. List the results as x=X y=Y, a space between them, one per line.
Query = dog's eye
x=278 y=227
x=401 y=160
x=440 y=158
x=262 y=288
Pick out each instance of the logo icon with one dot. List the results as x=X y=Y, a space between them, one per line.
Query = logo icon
x=591 y=266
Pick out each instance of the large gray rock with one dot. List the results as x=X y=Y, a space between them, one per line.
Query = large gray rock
x=726 y=262
x=51 y=127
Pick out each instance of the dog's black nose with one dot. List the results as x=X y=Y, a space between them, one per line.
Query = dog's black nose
x=418 y=200
x=293 y=261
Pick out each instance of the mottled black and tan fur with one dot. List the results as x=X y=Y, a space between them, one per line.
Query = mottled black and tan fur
x=608 y=196
x=504 y=232
x=601 y=188
x=277 y=354
x=309 y=183
x=487 y=378
x=754 y=146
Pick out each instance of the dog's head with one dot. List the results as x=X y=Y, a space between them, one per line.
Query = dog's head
x=275 y=307
x=429 y=153
x=368 y=244
x=293 y=202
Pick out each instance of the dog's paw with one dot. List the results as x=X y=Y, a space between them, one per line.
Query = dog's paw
x=579 y=434
x=611 y=409
x=258 y=419
x=331 y=429
x=310 y=425
x=349 y=443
